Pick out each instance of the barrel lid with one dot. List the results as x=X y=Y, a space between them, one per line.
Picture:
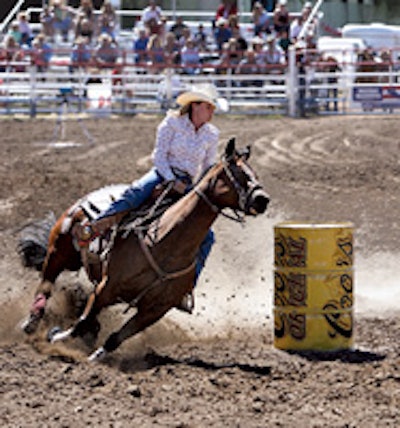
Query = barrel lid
x=310 y=225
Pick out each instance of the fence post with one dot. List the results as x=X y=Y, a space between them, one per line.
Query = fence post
x=292 y=82
x=32 y=94
x=168 y=86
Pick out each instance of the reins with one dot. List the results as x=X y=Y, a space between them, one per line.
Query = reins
x=162 y=275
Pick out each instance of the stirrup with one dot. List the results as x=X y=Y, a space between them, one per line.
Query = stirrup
x=187 y=303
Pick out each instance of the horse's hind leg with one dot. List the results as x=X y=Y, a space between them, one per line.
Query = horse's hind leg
x=61 y=255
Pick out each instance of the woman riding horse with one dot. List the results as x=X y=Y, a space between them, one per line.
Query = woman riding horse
x=186 y=146
x=151 y=271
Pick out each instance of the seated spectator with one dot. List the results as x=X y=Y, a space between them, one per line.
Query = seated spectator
x=273 y=57
x=284 y=42
x=225 y=9
x=172 y=49
x=15 y=32
x=106 y=52
x=249 y=65
x=41 y=53
x=261 y=20
x=86 y=10
x=200 y=38
x=151 y=17
x=186 y=35
x=178 y=27
x=257 y=44
x=25 y=29
x=268 y=5
x=46 y=19
x=140 y=47
x=80 y=55
x=296 y=26
x=230 y=58
x=221 y=33
x=281 y=17
x=233 y=25
x=104 y=25
x=11 y=55
x=107 y=20
x=155 y=53
x=190 y=58
x=84 y=28
x=62 y=18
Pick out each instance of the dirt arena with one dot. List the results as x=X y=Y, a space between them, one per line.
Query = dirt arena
x=217 y=367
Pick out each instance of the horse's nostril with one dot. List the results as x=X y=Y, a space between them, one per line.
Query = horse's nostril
x=259 y=202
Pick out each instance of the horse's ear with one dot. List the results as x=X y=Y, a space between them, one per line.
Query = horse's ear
x=230 y=148
x=247 y=153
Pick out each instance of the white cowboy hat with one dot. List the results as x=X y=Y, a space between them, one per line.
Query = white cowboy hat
x=221 y=21
x=203 y=93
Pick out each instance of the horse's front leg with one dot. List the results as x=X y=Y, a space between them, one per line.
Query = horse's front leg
x=148 y=312
x=85 y=321
x=133 y=326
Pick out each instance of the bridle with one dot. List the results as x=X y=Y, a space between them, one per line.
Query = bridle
x=244 y=195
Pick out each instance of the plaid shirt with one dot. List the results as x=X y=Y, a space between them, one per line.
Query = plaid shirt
x=180 y=146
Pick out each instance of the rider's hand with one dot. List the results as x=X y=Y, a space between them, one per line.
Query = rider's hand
x=180 y=187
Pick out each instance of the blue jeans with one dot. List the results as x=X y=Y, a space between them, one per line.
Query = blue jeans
x=137 y=194
x=203 y=253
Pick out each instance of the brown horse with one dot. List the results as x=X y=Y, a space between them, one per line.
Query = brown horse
x=152 y=271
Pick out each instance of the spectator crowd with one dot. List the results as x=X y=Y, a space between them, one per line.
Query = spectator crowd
x=91 y=39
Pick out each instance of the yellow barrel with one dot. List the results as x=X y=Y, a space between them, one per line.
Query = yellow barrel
x=313 y=279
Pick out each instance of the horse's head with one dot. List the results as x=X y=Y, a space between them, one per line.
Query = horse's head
x=247 y=194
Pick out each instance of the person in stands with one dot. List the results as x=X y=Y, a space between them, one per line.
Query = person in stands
x=186 y=146
x=151 y=17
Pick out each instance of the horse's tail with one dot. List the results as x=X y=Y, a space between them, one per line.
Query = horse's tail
x=32 y=244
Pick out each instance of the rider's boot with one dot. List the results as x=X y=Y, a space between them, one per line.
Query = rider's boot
x=86 y=232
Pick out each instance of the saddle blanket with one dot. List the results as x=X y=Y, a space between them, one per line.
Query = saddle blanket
x=99 y=200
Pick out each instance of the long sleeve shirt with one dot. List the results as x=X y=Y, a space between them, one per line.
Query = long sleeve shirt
x=180 y=146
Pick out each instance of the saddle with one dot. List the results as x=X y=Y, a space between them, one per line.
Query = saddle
x=88 y=209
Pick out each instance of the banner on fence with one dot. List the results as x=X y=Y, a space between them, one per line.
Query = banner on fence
x=377 y=97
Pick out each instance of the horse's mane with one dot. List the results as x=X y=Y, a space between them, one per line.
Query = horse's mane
x=160 y=227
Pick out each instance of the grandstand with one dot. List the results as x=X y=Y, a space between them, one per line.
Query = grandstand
x=302 y=83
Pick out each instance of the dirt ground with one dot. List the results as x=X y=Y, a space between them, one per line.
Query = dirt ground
x=217 y=367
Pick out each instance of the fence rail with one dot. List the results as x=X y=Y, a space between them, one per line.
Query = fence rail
x=131 y=89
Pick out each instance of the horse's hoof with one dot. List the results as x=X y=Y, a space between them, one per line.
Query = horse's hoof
x=97 y=355
x=30 y=325
x=187 y=303
x=52 y=333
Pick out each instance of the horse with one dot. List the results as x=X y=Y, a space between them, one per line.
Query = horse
x=151 y=270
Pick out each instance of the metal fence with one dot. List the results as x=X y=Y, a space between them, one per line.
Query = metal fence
x=130 y=89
